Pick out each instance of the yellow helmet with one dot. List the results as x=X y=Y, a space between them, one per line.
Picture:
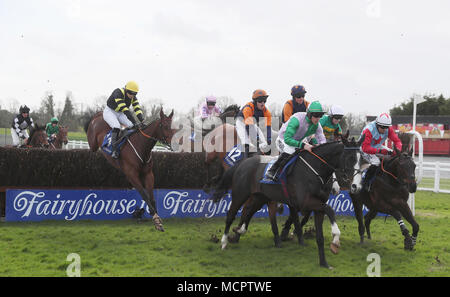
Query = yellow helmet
x=132 y=86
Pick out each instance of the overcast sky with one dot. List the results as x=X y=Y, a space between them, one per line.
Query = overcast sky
x=366 y=55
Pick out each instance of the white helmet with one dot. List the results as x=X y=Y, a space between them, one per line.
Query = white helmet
x=336 y=110
x=384 y=120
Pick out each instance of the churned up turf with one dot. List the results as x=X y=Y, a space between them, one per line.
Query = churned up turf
x=190 y=247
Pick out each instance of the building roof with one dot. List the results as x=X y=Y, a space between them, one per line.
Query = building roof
x=420 y=119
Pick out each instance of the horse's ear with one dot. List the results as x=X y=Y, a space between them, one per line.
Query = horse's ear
x=161 y=113
x=360 y=141
x=410 y=152
x=171 y=114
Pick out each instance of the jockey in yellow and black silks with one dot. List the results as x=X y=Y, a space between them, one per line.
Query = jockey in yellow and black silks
x=117 y=112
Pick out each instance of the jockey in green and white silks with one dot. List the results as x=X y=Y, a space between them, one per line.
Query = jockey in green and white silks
x=330 y=123
x=302 y=131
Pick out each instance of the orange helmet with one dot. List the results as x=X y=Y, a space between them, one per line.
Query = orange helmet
x=259 y=93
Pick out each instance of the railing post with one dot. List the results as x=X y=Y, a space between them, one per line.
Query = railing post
x=437 y=176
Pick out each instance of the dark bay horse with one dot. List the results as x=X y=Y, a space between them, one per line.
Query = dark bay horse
x=344 y=177
x=135 y=156
x=38 y=137
x=61 y=138
x=307 y=186
x=389 y=193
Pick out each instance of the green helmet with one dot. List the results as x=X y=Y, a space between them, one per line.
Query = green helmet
x=54 y=120
x=315 y=109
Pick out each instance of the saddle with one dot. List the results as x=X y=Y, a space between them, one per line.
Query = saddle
x=122 y=138
x=284 y=171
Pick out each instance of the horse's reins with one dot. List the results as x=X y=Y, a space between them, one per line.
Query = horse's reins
x=392 y=175
x=312 y=169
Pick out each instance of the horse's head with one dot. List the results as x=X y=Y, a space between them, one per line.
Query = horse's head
x=165 y=132
x=349 y=161
x=404 y=169
x=38 y=137
x=62 y=135
x=230 y=112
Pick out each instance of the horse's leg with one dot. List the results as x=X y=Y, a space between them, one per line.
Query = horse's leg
x=237 y=230
x=273 y=208
x=407 y=214
x=335 y=232
x=358 y=208
x=318 y=222
x=149 y=182
x=367 y=219
x=236 y=202
x=408 y=242
x=252 y=206
x=298 y=227
x=287 y=226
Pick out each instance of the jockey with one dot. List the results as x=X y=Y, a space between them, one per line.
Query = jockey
x=117 y=112
x=297 y=133
x=52 y=129
x=20 y=124
x=296 y=104
x=209 y=108
x=330 y=122
x=376 y=133
x=248 y=129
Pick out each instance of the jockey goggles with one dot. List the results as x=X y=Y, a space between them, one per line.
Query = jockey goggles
x=211 y=103
x=383 y=127
x=299 y=95
x=261 y=99
x=338 y=117
x=317 y=114
x=132 y=93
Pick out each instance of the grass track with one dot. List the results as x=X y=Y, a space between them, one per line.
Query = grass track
x=129 y=248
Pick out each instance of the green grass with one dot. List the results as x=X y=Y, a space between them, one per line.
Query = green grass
x=129 y=248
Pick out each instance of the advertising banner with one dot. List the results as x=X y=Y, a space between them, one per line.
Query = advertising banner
x=70 y=205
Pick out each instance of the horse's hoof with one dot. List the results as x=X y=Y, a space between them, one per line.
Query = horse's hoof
x=158 y=223
x=334 y=248
x=325 y=265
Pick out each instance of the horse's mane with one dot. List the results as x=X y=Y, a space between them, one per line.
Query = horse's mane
x=88 y=121
x=35 y=129
x=233 y=107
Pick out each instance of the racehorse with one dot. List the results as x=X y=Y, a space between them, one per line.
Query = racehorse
x=135 y=157
x=344 y=176
x=38 y=137
x=307 y=190
x=389 y=193
x=61 y=138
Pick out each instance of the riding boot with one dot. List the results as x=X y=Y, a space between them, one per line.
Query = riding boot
x=114 y=143
x=368 y=177
x=274 y=172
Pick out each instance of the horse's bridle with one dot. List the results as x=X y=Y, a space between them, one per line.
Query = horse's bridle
x=163 y=140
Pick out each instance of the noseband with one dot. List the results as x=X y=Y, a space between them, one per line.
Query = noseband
x=408 y=180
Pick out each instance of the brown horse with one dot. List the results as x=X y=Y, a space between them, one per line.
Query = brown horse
x=61 y=138
x=38 y=137
x=135 y=157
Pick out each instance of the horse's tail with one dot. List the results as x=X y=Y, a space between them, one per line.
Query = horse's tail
x=223 y=184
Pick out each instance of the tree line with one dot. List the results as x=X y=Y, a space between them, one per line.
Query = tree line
x=75 y=117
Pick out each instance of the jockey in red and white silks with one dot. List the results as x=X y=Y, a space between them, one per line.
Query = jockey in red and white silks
x=376 y=133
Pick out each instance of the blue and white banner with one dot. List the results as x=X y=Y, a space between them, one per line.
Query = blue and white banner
x=70 y=205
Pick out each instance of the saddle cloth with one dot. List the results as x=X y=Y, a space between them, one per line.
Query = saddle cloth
x=283 y=174
x=107 y=141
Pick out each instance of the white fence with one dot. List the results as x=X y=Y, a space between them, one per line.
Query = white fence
x=440 y=172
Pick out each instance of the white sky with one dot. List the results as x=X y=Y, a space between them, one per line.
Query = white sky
x=366 y=55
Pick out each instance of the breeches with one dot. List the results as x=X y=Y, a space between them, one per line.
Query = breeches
x=115 y=119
